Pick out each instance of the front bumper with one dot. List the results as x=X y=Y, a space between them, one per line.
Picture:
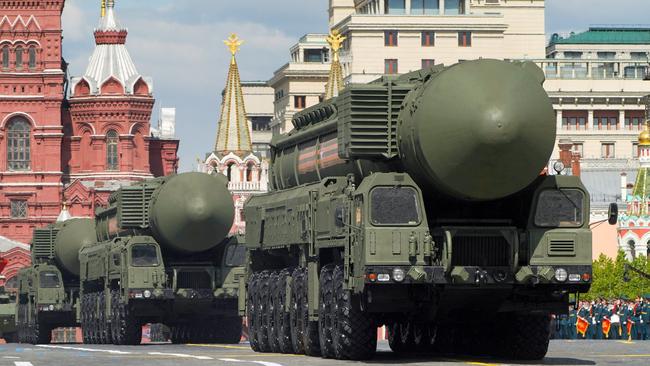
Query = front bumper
x=479 y=276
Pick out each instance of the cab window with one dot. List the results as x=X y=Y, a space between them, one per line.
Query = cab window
x=560 y=208
x=394 y=206
x=49 y=279
x=144 y=255
x=235 y=255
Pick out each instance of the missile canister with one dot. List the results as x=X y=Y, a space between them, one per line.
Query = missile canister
x=479 y=130
x=71 y=237
x=185 y=213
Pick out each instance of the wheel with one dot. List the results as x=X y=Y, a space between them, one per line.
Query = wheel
x=527 y=336
x=270 y=301
x=354 y=332
x=311 y=339
x=399 y=337
x=282 y=317
x=261 y=319
x=84 y=318
x=126 y=329
x=105 y=326
x=92 y=321
x=42 y=333
x=10 y=337
x=325 y=312
x=297 y=327
x=229 y=330
x=251 y=314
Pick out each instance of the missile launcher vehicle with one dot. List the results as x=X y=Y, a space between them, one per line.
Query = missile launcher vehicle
x=48 y=290
x=163 y=255
x=418 y=202
x=7 y=310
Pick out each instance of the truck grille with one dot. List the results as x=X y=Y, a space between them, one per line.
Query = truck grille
x=43 y=244
x=134 y=210
x=561 y=247
x=194 y=280
x=483 y=251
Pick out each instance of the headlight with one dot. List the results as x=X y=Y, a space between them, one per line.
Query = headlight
x=51 y=307
x=147 y=294
x=398 y=275
x=383 y=277
x=561 y=274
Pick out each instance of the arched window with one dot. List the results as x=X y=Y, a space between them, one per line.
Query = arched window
x=249 y=172
x=632 y=245
x=32 y=57
x=229 y=171
x=18 y=144
x=5 y=57
x=112 y=160
x=19 y=57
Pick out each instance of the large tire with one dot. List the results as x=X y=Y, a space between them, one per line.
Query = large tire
x=527 y=337
x=311 y=339
x=126 y=329
x=271 y=327
x=297 y=326
x=262 y=309
x=354 y=331
x=325 y=315
x=229 y=331
x=42 y=333
x=281 y=317
x=84 y=319
x=399 y=338
x=251 y=314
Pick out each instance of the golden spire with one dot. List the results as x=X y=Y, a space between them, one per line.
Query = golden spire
x=234 y=43
x=335 y=80
x=103 y=8
x=335 y=40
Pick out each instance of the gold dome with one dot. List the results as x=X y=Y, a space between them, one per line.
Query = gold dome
x=644 y=137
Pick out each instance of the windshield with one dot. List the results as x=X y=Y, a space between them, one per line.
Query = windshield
x=560 y=208
x=394 y=206
x=49 y=279
x=235 y=255
x=144 y=256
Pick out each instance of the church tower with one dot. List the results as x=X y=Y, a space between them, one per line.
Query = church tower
x=233 y=151
x=108 y=137
x=32 y=77
x=634 y=225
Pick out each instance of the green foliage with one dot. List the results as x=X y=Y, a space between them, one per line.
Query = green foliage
x=608 y=278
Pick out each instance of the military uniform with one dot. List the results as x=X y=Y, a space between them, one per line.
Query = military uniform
x=585 y=314
x=624 y=313
x=634 y=318
x=597 y=321
x=644 y=320
x=572 y=319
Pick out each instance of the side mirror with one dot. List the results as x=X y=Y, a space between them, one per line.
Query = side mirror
x=612 y=215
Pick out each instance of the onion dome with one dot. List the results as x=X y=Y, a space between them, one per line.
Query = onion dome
x=644 y=137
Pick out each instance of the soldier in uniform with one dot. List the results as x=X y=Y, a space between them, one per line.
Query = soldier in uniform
x=615 y=332
x=605 y=315
x=634 y=319
x=624 y=313
x=585 y=314
x=644 y=318
x=571 y=323
x=597 y=320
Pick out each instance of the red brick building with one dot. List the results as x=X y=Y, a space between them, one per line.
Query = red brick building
x=77 y=150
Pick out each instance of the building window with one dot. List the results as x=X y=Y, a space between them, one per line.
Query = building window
x=299 y=101
x=464 y=39
x=641 y=56
x=390 y=66
x=5 y=57
x=390 y=38
x=605 y=123
x=395 y=6
x=573 y=55
x=607 y=150
x=112 y=158
x=19 y=58
x=32 y=57
x=229 y=171
x=635 y=149
x=261 y=123
x=428 y=63
x=428 y=39
x=315 y=56
x=606 y=55
x=249 y=172
x=578 y=148
x=18 y=145
x=425 y=7
x=454 y=7
x=18 y=209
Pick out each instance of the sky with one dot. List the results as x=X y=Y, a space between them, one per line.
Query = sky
x=179 y=44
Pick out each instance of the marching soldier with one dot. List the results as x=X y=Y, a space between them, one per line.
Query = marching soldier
x=585 y=314
x=616 y=331
x=634 y=320
x=605 y=319
x=624 y=313
x=571 y=323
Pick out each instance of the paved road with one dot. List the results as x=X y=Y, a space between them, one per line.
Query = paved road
x=560 y=353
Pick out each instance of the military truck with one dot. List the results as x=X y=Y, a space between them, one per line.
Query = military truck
x=163 y=255
x=7 y=315
x=48 y=290
x=418 y=202
x=7 y=309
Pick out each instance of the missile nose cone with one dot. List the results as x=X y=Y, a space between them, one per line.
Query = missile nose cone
x=496 y=127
